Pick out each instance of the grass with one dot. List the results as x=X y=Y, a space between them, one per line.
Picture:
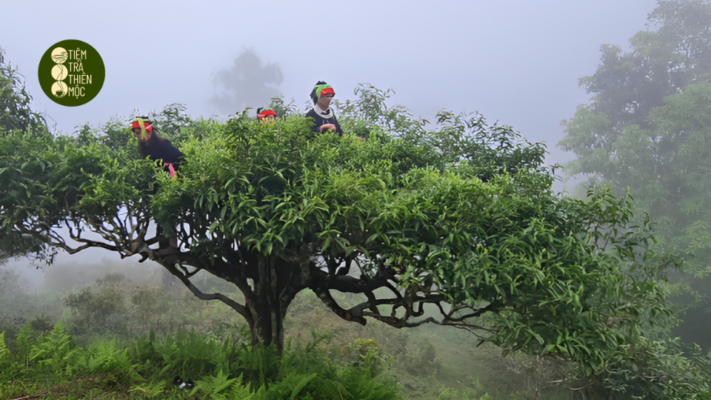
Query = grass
x=105 y=351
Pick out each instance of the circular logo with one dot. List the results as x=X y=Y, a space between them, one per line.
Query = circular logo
x=71 y=73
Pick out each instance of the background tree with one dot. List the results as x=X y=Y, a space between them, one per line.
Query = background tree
x=247 y=83
x=673 y=52
x=15 y=111
x=630 y=136
x=16 y=114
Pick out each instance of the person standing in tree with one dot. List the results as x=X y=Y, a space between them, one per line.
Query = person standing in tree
x=321 y=114
x=151 y=144
x=266 y=115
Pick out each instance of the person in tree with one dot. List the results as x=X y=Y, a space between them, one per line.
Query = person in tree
x=158 y=148
x=266 y=115
x=321 y=114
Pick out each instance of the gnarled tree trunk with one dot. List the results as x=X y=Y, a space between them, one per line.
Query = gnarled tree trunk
x=270 y=299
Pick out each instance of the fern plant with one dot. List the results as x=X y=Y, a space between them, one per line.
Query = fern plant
x=149 y=390
x=291 y=386
x=56 y=351
x=105 y=358
x=215 y=387
x=189 y=354
x=258 y=364
x=4 y=353
x=24 y=343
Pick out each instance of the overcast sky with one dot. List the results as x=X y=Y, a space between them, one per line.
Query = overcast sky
x=515 y=61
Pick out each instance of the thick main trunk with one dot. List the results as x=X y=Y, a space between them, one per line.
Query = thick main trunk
x=268 y=284
x=268 y=326
x=272 y=294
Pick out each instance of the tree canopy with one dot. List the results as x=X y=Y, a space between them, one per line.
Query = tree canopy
x=674 y=52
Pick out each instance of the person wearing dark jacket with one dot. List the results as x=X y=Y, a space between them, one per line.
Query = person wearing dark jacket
x=322 y=114
x=152 y=145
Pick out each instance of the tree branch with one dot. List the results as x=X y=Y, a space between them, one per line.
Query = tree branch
x=328 y=300
x=242 y=310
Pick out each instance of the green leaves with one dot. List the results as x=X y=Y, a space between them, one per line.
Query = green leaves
x=213 y=386
x=4 y=352
x=55 y=352
x=646 y=130
x=463 y=214
x=15 y=112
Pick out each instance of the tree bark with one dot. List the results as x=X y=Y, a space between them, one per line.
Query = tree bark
x=169 y=282
x=268 y=284
x=272 y=293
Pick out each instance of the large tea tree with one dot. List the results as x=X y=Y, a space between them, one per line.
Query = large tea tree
x=459 y=222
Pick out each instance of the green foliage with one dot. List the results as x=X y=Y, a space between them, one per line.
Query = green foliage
x=118 y=307
x=56 y=351
x=706 y=395
x=4 y=353
x=103 y=357
x=23 y=344
x=190 y=354
x=473 y=393
x=213 y=385
x=98 y=311
x=363 y=383
x=20 y=306
x=259 y=364
x=17 y=116
x=282 y=108
x=461 y=216
x=663 y=60
x=370 y=114
x=145 y=349
x=646 y=129
x=302 y=373
x=660 y=371
x=645 y=132
x=15 y=112
x=421 y=359
x=150 y=390
x=220 y=386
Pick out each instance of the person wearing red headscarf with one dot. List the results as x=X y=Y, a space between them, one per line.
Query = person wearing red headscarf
x=158 y=148
x=266 y=115
x=321 y=114
x=152 y=145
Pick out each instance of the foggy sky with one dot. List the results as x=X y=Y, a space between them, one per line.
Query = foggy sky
x=515 y=61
